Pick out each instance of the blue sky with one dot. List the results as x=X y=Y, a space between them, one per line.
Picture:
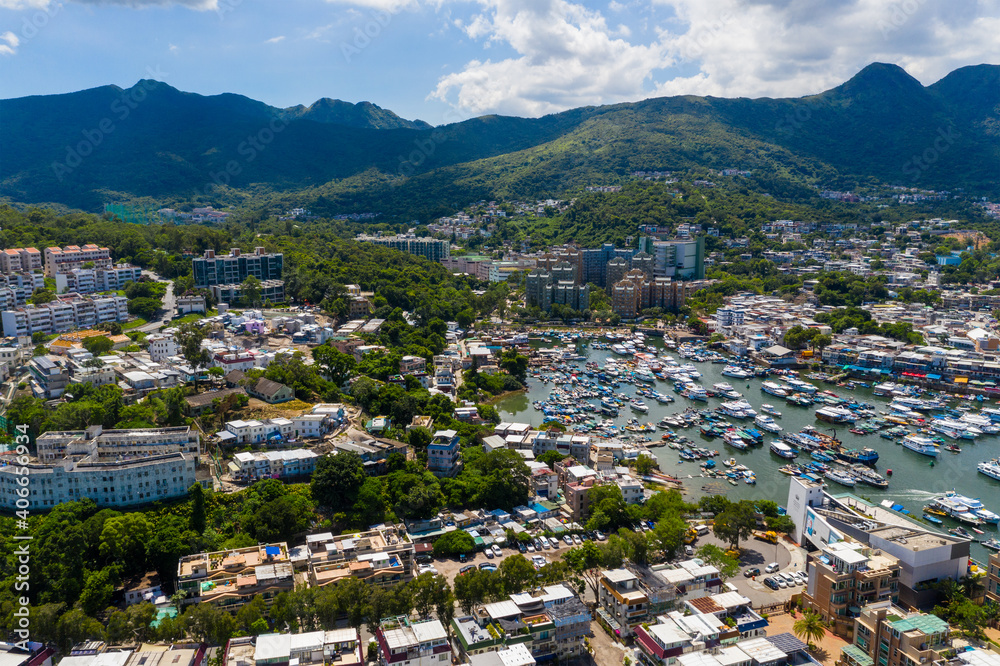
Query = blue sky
x=443 y=60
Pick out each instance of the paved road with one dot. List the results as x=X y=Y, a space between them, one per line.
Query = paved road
x=168 y=310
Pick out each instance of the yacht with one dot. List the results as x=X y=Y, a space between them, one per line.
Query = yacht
x=739 y=409
x=923 y=445
x=953 y=509
x=955 y=429
x=975 y=506
x=782 y=449
x=990 y=468
x=841 y=477
x=735 y=441
x=726 y=390
x=774 y=388
x=769 y=409
x=981 y=423
x=767 y=423
x=836 y=415
x=638 y=405
x=619 y=349
x=991 y=413
x=694 y=392
x=799 y=385
x=736 y=371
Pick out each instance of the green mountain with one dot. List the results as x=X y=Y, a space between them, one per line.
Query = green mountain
x=109 y=144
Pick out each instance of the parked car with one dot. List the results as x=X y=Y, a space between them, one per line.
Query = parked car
x=466 y=569
x=489 y=553
x=486 y=566
x=802 y=576
x=771 y=583
x=521 y=547
x=782 y=583
x=497 y=551
x=531 y=547
x=426 y=568
x=689 y=551
x=462 y=557
x=751 y=572
x=577 y=540
x=772 y=567
x=568 y=540
x=600 y=535
x=545 y=543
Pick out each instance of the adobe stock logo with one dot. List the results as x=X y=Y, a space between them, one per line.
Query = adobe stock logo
x=918 y=164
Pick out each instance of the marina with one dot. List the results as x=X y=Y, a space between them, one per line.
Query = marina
x=694 y=413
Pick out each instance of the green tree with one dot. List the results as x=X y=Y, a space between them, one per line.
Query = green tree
x=550 y=458
x=337 y=480
x=728 y=566
x=429 y=591
x=250 y=291
x=336 y=365
x=189 y=338
x=98 y=345
x=516 y=573
x=809 y=627
x=123 y=541
x=736 y=523
x=454 y=543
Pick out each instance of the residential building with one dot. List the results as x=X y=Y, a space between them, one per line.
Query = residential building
x=233 y=268
x=846 y=576
x=544 y=288
x=624 y=601
x=270 y=391
x=314 y=648
x=993 y=579
x=27 y=653
x=63 y=260
x=636 y=292
x=18 y=259
x=272 y=291
x=230 y=579
x=442 y=453
x=412 y=642
x=682 y=259
x=383 y=556
x=891 y=636
x=430 y=248
x=191 y=303
x=67 y=313
x=89 y=280
x=48 y=376
x=733 y=609
x=162 y=346
x=248 y=466
x=54 y=445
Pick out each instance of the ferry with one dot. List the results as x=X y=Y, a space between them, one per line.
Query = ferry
x=922 y=445
x=769 y=409
x=836 y=415
x=783 y=450
x=736 y=371
x=774 y=388
x=990 y=468
x=841 y=477
x=767 y=423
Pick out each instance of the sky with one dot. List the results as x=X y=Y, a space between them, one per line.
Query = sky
x=447 y=60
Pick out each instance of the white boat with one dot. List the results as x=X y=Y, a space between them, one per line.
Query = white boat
x=769 y=409
x=694 y=392
x=735 y=441
x=767 y=423
x=920 y=444
x=975 y=506
x=885 y=388
x=739 y=409
x=981 y=423
x=990 y=468
x=726 y=390
x=774 y=388
x=799 y=385
x=736 y=371
x=836 y=415
x=956 y=510
x=843 y=478
x=638 y=405
x=992 y=413
x=782 y=449
x=619 y=349
x=954 y=429
x=690 y=371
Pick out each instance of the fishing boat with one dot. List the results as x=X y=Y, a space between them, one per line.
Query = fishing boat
x=933 y=519
x=865 y=456
x=767 y=423
x=920 y=444
x=770 y=410
x=841 y=477
x=783 y=450
x=990 y=468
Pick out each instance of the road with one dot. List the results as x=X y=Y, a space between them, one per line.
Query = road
x=168 y=310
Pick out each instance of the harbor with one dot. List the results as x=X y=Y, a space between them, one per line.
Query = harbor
x=727 y=427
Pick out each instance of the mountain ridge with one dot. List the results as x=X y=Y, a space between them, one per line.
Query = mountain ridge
x=179 y=147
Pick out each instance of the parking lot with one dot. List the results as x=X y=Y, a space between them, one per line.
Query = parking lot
x=759 y=554
x=450 y=566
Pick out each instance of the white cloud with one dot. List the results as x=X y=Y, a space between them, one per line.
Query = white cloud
x=199 y=5
x=567 y=56
x=24 y=4
x=9 y=43
x=275 y=40
x=391 y=6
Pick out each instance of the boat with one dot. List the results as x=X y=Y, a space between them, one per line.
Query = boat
x=729 y=463
x=739 y=409
x=976 y=506
x=735 y=441
x=836 y=415
x=774 y=388
x=954 y=448
x=990 y=468
x=933 y=519
x=767 y=423
x=920 y=444
x=736 y=371
x=638 y=405
x=955 y=429
x=841 y=477
x=726 y=390
x=770 y=410
x=783 y=450
x=694 y=392
x=960 y=532
x=801 y=386
x=955 y=510
x=992 y=543
x=865 y=456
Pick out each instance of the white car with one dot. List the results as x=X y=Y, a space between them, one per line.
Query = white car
x=427 y=568
x=568 y=540
x=576 y=540
x=545 y=543
x=531 y=547
x=782 y=583
x=489 y=553
x=497 y=551
x=772 y=567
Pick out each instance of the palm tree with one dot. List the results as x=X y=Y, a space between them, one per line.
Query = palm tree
x=809 y=627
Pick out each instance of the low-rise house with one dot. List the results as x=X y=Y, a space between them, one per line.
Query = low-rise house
x=271 y=392
x=248 y=467
x=230 y=579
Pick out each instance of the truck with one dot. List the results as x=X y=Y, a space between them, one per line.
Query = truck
x=768 y=536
